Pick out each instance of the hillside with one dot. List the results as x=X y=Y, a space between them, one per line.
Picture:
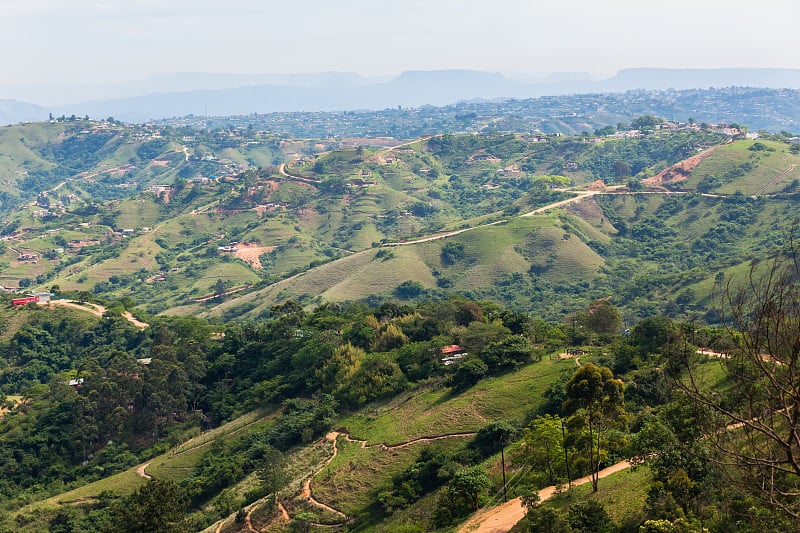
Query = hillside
x=345 y=345
x=384 y=223
x=354 y=418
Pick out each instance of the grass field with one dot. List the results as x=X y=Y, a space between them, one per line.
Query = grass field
x=773 y=170
x=434 y=410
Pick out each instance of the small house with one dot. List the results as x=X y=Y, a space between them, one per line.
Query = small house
x=452 y=354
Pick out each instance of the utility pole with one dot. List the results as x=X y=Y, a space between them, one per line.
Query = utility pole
x=574 y=320
x=566 y=456
x=503 y=460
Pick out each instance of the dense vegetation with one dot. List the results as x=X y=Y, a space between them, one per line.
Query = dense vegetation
x=320 y=365
x=404 y=350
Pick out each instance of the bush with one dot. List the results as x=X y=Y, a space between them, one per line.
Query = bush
x=469 y=372
x=409 y=290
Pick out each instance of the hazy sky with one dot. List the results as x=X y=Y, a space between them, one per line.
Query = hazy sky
x=57 y=41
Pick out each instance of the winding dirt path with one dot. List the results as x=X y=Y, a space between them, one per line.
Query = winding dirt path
x=284 y=513
x=248 y=523
x=135 y=321
x=141 y=473
x=502 y=518
x=333 y=437
x=283 y=172
x=307 y=494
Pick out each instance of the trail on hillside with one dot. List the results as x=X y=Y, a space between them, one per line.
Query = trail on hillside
x=96 y=309
x=774 y=181
x=333 y=437
x=141 y=473
x=444 y=235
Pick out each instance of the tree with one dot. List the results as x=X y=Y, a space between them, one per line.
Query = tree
x=479 y=335
x=158 y=506
x=272 y=475
x=542 y=448
x=219 y=290
x=513 y=351
x=589 y=516
x=468 y=372
x=469 y=483
x=452 y=252
x=547 y=520
x=595 y=403
x=409 y=289
x=603 y=317
x=460 y=497
x=757 y=427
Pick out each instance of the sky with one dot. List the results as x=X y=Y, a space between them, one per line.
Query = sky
x=61 y=42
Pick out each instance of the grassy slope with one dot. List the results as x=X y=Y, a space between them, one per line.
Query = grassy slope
x=762 y=180
x=435 y=411
x=490 y=252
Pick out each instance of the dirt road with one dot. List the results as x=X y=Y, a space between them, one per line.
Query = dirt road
x=442 y=235
x=96 y=309
x=141 y=473
x=502 y=518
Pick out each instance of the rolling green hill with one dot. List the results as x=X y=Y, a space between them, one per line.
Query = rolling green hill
x=319 y=228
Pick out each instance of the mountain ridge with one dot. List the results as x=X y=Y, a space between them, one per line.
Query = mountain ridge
x=171 y=95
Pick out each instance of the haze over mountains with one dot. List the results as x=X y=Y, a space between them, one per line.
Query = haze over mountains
x=228 y=94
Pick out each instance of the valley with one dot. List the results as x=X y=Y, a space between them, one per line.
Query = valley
x=291 y=336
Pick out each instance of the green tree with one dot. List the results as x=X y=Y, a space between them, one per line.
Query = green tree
x=479 y=335
x=452 y=252
x=272 y=475
x=468 y=484
x=589 y=517
x=468 y=372
x=603 y=317
x=158 y=506
x=542 y=448
x=595 y=403
x=219 y=290
x=511 y=352
x=409 y=289
x=547 y=520
x=493 y=437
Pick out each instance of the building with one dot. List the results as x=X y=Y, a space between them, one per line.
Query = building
x=452 y=354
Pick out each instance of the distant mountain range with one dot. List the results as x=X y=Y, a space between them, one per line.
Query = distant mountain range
x=235 y=94
x=13 y=111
